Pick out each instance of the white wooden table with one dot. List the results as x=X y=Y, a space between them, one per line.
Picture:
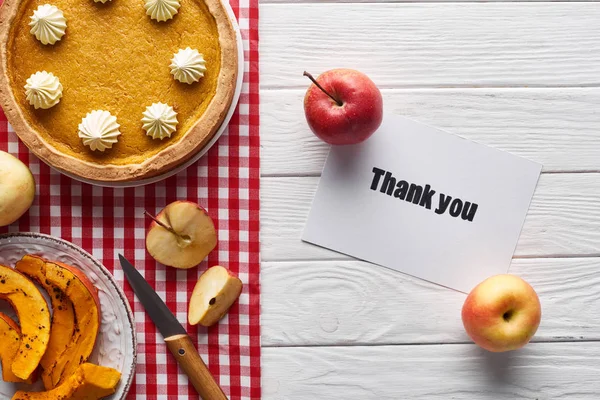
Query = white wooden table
x=520 y=76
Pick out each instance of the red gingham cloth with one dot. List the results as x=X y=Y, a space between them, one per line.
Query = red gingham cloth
x=107 y=221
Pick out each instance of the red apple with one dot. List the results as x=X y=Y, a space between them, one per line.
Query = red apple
x=502 y=313
x=343 y=106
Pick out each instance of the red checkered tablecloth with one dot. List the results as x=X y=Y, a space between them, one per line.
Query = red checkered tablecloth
x=107 y=221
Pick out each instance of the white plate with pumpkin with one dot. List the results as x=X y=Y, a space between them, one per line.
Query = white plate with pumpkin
x=76 y=333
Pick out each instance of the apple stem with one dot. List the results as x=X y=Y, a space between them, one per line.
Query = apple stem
x=339 y=103
x=153 y=218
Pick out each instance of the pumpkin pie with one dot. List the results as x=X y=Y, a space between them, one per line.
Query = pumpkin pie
x=117 y=61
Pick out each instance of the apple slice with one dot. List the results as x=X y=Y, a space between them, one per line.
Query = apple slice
x=181 y=235
x=216 y=290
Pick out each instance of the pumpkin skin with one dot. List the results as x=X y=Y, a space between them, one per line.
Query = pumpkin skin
x=10 y=337
x=89 y=382
x=34 y=317
x=84 y=297
x=62 y=325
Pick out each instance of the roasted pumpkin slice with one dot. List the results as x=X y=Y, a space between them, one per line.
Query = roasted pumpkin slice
x=89 y=382
x=84 y=297
x=34 y=317
x=62 y=325
x=10 y=337
x=98 y=382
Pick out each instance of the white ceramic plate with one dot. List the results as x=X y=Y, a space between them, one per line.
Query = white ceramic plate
x=116 y=344
x=204 y=150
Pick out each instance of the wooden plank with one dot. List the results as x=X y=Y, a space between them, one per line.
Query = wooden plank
x=556 y=127
x=330 y=303
x=403 y=1
x=539 y=372
x=563 y=218
x=433 y=45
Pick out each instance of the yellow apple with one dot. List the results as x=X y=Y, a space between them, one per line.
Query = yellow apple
x=502 y=313
x=216 y=290
x=181 y=235
x=17 y=189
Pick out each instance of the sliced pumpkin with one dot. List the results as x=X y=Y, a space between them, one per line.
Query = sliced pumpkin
x=62 y=325
x=10 y=337
x=34 y=317
x=82 y=294
x=89 y=382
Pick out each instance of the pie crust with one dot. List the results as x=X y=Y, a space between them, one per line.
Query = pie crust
x=187 y=144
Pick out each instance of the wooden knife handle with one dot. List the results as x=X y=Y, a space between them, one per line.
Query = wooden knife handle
x=191 y=363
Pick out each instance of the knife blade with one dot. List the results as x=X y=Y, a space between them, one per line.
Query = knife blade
x=178 y=341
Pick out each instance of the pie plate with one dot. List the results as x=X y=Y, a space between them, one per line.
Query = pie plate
x=116 y=343
x=205 y=109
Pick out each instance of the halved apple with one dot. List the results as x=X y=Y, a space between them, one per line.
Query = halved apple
x=84 y=297
x=62 y=325
x=215 y=292
x=10 y=335
x=34 y=317
x=89 y=382
x=181 y=235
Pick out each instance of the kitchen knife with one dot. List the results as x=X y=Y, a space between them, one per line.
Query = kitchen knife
x=178 y=341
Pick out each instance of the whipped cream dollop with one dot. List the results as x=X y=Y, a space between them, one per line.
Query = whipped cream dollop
x=99 y=130
x=48 y=24
x=101 y=1
x=188 y=65
x=162 y=10
x=159 y=121
x=43 y=90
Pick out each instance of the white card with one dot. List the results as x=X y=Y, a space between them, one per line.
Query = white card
x=424 y=202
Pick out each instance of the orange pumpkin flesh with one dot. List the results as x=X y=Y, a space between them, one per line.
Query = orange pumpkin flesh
x=10 y=337
x=84 y=297
x=89 y=382
x=62 y=324
x=34 y=317
x=100 y=382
